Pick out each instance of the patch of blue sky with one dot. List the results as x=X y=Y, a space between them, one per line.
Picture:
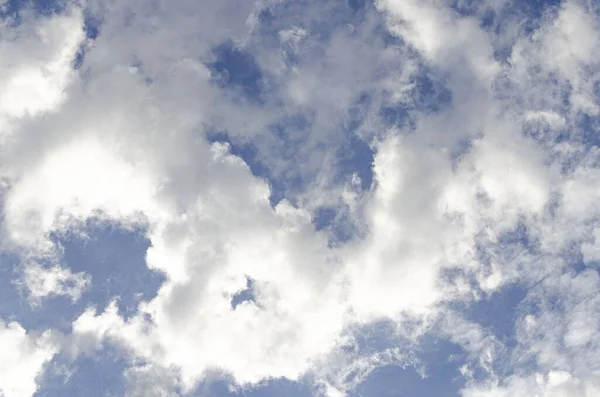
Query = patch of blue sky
x=507 y=246
x=322 y=21
x=440 y=375
x=589 y=127
x=536 y=11
x=336 y=222
x=354 y=154
x=497 y=312
x=584 y=137
x=429 y=94
x=532 y=12
x=375 y=337
x=9 y=13
x=357 y=5
x=430 y=91
x=397 y=115
x=460 y=149
x=56 y=312
x=518 y=236
x=235 y=69
x=432 y=365
x=91 y=27
x=14 y=305
x=270 y=388
x=12 y=8
x=555 y=94
x=596 y=91
x=500 y=312
x=100 y=374
x=245 y=295
x=324 y=217
x=355 y=157
x=531 y=15
x=115 y=260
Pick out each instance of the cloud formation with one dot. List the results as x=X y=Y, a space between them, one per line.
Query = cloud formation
x=453 y=145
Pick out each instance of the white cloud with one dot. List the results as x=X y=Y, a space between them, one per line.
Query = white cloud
x=347 y=367
x=100 y=181
x=209 y=221
x=36 y=62
x=408 y=238
x=553 y=384
x=558 y=341
x=148 y=381
x=44 y=282
x=194 y=326
x=102 y=143
x=23 y=358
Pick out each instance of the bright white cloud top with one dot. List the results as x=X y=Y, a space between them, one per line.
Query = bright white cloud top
x=324 y=187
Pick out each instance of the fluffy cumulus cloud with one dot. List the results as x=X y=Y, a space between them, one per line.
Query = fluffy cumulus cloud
x=326 y=189
x=23 y=357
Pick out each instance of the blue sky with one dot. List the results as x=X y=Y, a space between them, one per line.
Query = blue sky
x=302 y=198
